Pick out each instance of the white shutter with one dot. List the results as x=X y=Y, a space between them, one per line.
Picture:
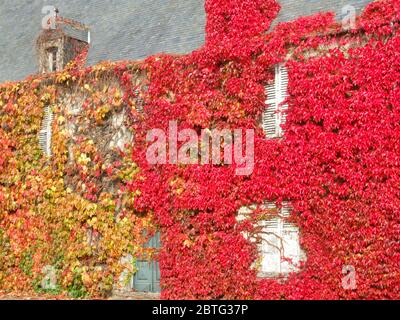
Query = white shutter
x=43 y=140
x=271 y=91
x=279 y=248
x=276 y=94
x=291 y=248
x=284 y=82
x=285 y=211
x=271 y=262
x=270 y=121
x=280 y=242
x=45 y=131
x=291 y=242
x=270 y=116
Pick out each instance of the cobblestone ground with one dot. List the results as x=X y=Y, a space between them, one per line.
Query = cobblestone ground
x=117 y=296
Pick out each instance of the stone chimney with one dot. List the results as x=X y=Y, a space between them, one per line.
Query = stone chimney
x=60 y=42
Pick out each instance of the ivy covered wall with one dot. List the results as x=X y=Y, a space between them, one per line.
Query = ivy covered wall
x=337 y=164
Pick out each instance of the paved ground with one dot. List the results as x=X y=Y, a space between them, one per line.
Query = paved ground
x=119 y=296
x=136 y=296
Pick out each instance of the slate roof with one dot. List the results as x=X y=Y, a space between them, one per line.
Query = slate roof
x=122 y=29
x=292 y=9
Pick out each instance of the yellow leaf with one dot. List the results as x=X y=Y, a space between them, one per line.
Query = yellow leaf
x=61 y=119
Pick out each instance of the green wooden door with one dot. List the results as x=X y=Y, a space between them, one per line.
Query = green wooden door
x=147 y=278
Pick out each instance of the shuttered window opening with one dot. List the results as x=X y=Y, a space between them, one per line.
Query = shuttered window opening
x=46 y=131
x=279 y=249
x=52 y=59
x=274 y=115
x=281 y=252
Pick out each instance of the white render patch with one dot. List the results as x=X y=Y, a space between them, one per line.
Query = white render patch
x=118 y=135
x=123 y=135
x=126 y=277
x=279 y=250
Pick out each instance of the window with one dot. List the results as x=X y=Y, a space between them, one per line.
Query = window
x=273 y=117
x=52 y=59
x=279 y=248
x=45 y=131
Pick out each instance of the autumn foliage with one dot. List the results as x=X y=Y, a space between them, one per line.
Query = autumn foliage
x=338 y=163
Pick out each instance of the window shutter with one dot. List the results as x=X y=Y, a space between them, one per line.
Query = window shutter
x=279 y=248
x=291 y=243
x=291 y=248
x=43 y=140
x=283 y=88
x=270 y=121
x=45 y=131
x=276 y=92
x=285 y=212
x=270 y=247
x=270 y=116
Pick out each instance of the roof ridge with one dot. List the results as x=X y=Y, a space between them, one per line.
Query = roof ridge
x=72 y=23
